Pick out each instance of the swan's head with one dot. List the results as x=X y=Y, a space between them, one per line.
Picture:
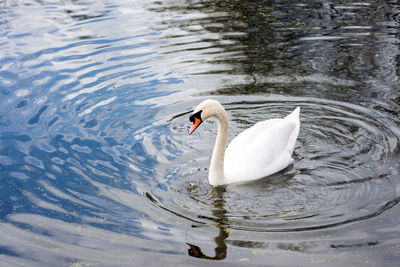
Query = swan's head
x=206 y=109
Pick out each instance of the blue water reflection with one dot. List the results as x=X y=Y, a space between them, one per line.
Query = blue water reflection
x=96 y=167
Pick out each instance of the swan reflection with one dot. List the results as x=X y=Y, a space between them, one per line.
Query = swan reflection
x=220 y=219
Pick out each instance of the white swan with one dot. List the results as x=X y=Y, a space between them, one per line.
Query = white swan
x=257 y=152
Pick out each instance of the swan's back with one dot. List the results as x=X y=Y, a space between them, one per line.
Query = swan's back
x=262 y=150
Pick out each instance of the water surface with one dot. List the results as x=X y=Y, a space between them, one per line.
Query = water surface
x=96 y=164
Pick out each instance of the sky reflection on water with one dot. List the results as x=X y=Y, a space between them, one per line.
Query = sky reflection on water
x=96 y=165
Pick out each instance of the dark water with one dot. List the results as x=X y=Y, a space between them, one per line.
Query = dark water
x=97 y=169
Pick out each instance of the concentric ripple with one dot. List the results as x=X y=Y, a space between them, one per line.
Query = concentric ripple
x=95 y=155
x=345 y=170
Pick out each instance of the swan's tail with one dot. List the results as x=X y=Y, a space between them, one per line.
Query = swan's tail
x=294 y=115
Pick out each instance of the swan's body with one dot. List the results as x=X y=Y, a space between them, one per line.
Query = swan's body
x=257 y=152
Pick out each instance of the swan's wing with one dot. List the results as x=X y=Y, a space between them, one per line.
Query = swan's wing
x=262 y=150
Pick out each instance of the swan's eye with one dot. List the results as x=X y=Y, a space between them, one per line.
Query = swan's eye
x=196 y=121
x=195 y=116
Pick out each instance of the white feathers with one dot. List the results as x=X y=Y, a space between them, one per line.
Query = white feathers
x=257 y=152
x=262 y=150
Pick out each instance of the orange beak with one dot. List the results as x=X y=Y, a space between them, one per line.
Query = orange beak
x=195 y=124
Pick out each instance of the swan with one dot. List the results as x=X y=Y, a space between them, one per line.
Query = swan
x=257 y=152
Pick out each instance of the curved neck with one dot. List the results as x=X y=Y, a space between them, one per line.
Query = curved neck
x=216 y=173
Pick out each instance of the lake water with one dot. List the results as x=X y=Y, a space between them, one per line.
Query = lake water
x=97 y=168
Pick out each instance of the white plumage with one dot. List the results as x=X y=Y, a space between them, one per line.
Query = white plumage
x=257 y=152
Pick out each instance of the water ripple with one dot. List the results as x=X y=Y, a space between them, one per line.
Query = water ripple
x=94 y=151
x=344 y=152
